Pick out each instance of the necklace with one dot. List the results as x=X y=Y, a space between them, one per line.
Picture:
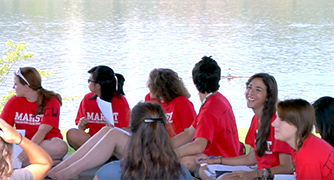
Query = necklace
x=207 y=96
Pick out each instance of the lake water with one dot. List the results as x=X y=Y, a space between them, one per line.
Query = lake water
x=290 y=39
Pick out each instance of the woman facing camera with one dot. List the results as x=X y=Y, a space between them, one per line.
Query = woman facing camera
x=36 y=110
x=314 y=157
x=270 y=155
x=168 y=90
x=149 y=153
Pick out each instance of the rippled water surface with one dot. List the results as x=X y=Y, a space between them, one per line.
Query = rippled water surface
x=290 y=39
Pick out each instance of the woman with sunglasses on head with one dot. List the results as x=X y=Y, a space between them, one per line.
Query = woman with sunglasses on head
x=314 y=157
x=168 y=90
x=108 y=86
x=150 y=153
x=270 y=155
x=36 y=110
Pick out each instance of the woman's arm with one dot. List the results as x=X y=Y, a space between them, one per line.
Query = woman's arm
x=249 y=159
x=40 y=161
x=285 y=166
x=39 y=136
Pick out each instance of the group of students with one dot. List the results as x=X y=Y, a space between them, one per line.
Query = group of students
x=166 y=139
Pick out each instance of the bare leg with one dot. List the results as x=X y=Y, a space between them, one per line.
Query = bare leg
x=84 y=149
x=76 y=137
x=55 y=147
x=114 y=142
x=190 y=163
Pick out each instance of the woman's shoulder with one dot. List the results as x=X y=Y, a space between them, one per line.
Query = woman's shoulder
x=19 y=174
x=15 y=99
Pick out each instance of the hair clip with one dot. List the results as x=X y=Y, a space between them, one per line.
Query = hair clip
x=152 y=120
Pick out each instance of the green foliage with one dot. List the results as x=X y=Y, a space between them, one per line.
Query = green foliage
x=14 y=52
x=71 y=98
x=5 y=98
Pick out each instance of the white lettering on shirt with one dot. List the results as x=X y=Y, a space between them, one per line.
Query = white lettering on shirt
x=30 y=119
x=98 y=118
x=169 y=117
x=268 y=151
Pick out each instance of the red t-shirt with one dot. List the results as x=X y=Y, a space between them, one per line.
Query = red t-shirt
x=216 y=123
x=315 y=159
x=89 y=108
x=20 y=112
x=270 y=158
x=180 y=113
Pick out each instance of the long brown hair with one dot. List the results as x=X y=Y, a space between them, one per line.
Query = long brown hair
x=150 y=153
x=166 y=84
x=268 y=111
x=299 y=113
x=6 y=150
x=35 y=81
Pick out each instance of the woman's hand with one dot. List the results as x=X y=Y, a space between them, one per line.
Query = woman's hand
x=202 y=158
x=82 y=123
x=8 y=133
x=243 y=175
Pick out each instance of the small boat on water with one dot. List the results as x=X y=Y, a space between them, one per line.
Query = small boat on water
x=232 y=77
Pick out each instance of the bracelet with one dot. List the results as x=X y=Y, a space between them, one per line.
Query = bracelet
x=20 y=140
x=269 y=172
x=264 y=173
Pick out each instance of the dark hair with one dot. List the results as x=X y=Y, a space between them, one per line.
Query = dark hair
x=268 y=111
x=150 y=152
x=106 y=77
x=299 y=113
x=166 y=84
x=35 y=81
x=324 y=116
x=206 y=75
x=6 y=150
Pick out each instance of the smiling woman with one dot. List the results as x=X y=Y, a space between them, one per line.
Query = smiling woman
x=271 y=156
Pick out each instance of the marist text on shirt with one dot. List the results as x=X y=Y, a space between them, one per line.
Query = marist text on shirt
x=98 y=118
x=26 y=118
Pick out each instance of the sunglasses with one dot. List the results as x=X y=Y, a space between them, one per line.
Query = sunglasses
x=91 y=81
x=19 y=73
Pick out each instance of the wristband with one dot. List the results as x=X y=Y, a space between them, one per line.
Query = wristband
x=20 y=140
x=269 y=172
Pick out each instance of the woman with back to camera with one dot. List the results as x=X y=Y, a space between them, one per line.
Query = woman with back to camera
x=107 y=85
x=324 y=116
x=98 y=148
x=270 y=155
x=40 y=161
x=149 y=153
x=168 y=90
x=314 y=157
x=36 y=110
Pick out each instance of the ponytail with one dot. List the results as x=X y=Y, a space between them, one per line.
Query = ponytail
x=44 y=95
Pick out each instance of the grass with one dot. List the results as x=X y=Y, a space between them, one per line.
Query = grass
x=70 y=149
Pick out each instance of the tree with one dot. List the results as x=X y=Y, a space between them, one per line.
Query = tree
x=14 y=52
